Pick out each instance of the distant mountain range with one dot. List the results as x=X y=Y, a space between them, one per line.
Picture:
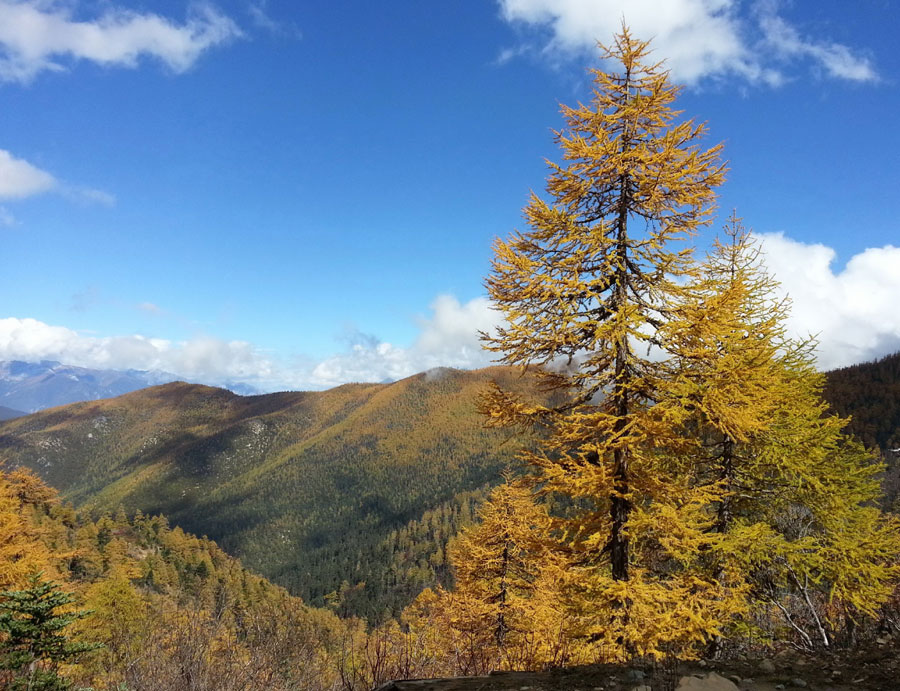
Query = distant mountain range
x=33 y=386
x=9 y=413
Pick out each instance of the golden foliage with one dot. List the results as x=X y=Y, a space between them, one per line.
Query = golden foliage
x=699 y=477
x=585 y=294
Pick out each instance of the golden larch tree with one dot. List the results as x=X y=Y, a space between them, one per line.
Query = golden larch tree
x=22 y=551
x=506 y=609
x=793 y=496
x=584 y=293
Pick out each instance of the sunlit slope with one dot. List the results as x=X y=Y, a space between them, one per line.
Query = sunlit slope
x=301 y=486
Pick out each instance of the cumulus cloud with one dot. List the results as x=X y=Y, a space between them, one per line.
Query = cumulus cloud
x=200 y=359
x=20 y=179
x=448 y=338
x=698 y=38
x=852 y=310
x=44 y=35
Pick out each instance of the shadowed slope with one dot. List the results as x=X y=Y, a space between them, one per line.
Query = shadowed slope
x=302 y=486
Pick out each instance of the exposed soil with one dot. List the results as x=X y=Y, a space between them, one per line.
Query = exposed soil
x=875 y=667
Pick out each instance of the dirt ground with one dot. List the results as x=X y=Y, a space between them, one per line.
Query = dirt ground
x=876 y=667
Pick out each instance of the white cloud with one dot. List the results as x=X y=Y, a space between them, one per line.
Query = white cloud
x=259 y=15
x=20 y=179
x=150 y=308
x=39 y=35
x=853 y=310
x=201 y=359
x=87 y=195
x=448 y=338
x=698 y=38
x=7 y=220
x=836 y=59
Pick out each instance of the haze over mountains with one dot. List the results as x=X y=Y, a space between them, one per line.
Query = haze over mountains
x=33 y=386
x=10 y=413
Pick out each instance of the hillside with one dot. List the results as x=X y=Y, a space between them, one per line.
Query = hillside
x=169 y=610
x=310 y=489
x=870 y=392
x=324 y=491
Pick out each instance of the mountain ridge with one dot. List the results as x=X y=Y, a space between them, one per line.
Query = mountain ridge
x=280 y=479
x=322 y=491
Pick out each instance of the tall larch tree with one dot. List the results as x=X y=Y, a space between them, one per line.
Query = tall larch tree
x=584 y=292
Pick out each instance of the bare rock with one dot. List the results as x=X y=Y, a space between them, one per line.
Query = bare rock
x=708 y=682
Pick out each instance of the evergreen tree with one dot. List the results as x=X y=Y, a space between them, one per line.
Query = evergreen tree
x=33 y=642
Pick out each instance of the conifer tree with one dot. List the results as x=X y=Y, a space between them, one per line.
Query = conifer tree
x=507 y=580
x=793 y=496
x=33 y=641
x=21 y=550
x=584 y=293
x=119 y=622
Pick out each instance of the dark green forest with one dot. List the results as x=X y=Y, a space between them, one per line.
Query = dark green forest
x=869 y=393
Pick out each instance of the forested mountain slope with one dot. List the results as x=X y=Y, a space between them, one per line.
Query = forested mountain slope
x=169 y=610
x=323 y=491
x=309 y=488
x=870 y=392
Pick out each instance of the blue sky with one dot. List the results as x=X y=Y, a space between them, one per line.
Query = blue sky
x=300 y=194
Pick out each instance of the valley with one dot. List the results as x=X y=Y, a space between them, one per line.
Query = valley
x=347 y=496
x=361 y=484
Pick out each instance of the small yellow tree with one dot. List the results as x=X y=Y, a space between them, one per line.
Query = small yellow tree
x=509 y=579
x=506 y=610
x=22 y=552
